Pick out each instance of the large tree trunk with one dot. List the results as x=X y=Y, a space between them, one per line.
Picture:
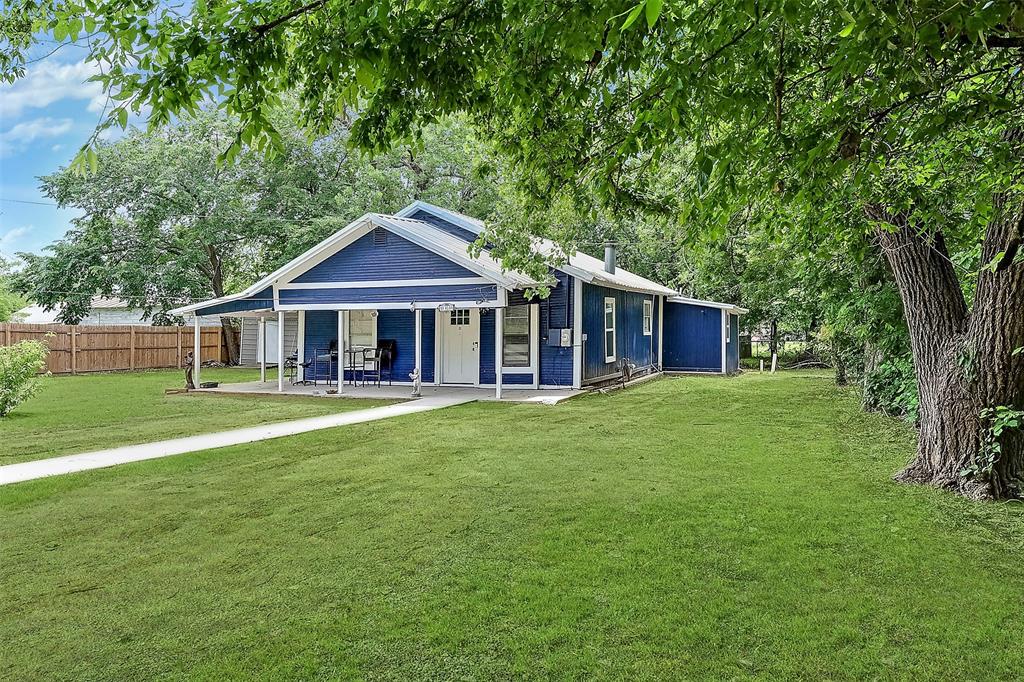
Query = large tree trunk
x=230 y=339
x=963 y=359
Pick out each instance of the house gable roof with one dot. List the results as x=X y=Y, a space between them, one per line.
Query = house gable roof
x=578 y=264
x=418 y=232
x=451 y=234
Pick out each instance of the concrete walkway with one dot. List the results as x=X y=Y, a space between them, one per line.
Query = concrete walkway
x=27 y=471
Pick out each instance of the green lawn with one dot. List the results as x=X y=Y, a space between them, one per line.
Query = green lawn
x=72 y=414
x=693 y=527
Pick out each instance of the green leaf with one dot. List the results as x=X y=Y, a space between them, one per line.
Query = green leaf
x=653 y=11
x=845 y=33
x=633 y=16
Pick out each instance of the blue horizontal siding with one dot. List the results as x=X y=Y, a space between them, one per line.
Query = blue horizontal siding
x=556 y=312
x=263 y=300
x=398 y=325
x=631 y=343
x=398 y=258
x=442 y=293
x=693 y=338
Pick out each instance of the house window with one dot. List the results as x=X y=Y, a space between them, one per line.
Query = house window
x=362 y=329
x=609 y=330
x=516 y=336
x=459 y=318
x=648 y=317
x=728 y=328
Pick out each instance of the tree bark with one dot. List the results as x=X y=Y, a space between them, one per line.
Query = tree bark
x=963 y=359
x=217 y=284
x=230 y=339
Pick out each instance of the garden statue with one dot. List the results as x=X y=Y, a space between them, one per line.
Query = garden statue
x=189 y=383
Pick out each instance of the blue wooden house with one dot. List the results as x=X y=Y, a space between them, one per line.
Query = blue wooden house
x=454 y=318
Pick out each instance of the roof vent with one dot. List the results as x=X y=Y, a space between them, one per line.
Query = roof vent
x=380 y=236
x=609 y=257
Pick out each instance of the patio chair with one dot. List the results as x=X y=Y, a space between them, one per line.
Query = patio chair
x=388 y=350
x=370 y=367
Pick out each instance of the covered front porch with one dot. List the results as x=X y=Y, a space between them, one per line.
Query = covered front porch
x=396 y=392
x=406 y=299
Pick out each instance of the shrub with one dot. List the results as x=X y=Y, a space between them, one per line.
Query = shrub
x=20 y=365
x=891 y=388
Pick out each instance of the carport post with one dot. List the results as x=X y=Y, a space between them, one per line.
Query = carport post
x=499 y=333
x=197 y=348
x=418 y=371
x=280 y=351
x=262 y=329
x=341 y=354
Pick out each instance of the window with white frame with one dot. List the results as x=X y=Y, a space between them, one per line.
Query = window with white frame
x=648 y=317
x=728 y=328
x=609 y=330
x=362 y=329
x=516 y=336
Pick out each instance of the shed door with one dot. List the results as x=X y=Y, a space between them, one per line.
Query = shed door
x=460 y=346
x=271 y=342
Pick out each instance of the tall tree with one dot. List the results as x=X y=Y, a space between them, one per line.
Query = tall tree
x=818 y=99
x=164 y=222
x=10 y=301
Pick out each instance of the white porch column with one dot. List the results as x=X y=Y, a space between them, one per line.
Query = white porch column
x=341 y=351
x=197 y=349
x=499 y=333
x=280 y=351
x=262 y=331
x=300 y=351
x=418 y=371
x=661 y=331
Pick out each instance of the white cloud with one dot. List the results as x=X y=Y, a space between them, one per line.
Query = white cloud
x=8 y=238
x=23 y=134
x=48 y=82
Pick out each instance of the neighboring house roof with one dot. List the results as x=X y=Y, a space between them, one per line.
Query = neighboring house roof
x=734 y=309
x=100 y=307
x=36 y=314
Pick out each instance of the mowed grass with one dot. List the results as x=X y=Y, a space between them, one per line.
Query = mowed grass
x=685 y=528
x=73 y=414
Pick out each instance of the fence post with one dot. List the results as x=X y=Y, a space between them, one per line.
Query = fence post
x=74 y=350
x=131 y=347
x=8 y=325
x=179 y=346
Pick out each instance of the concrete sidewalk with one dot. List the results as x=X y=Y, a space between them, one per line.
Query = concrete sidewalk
x=27 y=471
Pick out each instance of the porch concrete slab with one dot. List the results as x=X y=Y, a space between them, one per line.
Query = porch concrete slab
x=26 y=471
x=546 y=396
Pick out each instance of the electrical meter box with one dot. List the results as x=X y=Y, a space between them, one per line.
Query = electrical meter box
x=560 y=337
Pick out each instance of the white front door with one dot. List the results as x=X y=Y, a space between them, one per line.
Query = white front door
x=460 y=346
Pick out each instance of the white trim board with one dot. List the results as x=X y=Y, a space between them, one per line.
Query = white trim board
x=385 y=283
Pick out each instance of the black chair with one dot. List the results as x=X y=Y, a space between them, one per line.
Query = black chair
x=387 y=350
x=369 y=368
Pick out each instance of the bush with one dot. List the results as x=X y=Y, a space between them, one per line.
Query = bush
x=20 y=365
x=891 y=388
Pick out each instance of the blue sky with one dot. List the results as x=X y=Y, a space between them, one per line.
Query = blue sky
x=44 y=119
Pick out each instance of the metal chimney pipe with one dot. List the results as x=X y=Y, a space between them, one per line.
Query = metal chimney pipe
x=609 y=257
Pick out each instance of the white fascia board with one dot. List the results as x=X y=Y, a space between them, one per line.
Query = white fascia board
x=453 y=254
x=281 y=271
x=466 y=222
x=734 y=309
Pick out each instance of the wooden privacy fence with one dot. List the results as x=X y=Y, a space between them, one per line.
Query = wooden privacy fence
x=87 y=348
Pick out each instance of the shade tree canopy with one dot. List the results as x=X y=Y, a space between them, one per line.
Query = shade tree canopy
x=859 y=108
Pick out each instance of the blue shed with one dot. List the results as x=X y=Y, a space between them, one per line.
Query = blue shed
x=452 y=315
x=701 y=336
